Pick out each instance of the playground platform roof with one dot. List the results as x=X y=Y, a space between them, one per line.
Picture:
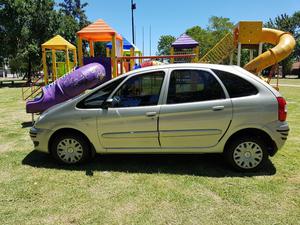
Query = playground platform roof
x=98 y=31
x=126 y=44
x=59 y=43
x=184 y=41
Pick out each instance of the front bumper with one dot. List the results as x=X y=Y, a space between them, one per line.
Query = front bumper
x=40 y=138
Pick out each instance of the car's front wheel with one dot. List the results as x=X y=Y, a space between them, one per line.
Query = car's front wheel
x=70 y=148
x=246 y=154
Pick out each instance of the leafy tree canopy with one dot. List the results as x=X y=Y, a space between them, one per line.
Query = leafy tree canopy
x=25 y=25
x=290 y=24
x=219 y=26
x=164 y=44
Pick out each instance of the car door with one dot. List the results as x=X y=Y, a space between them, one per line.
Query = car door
x=197 y=110
x=131 y=121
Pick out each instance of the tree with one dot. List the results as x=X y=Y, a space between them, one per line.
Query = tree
x=283 y=22
x=207 y=38
x=164 y=44
x=297 y=50
x=215 y=31
x=73 y=19
x=204 y=37
x=290 y=24
x=75 y=9
x=25 y=25
x=220 y=24
x=68 y=27
x=296 y=21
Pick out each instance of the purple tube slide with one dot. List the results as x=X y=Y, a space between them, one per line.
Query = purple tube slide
x=67 y=87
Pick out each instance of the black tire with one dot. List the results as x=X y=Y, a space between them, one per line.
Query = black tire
x=250 y=150
x=77 y=152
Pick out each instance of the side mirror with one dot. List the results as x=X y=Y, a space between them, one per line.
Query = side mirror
x=107 y=104
x=111 y=102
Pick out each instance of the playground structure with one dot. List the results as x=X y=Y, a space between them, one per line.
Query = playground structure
x=53 y=46
x=121 y=56
x=184 y=45
x=129 y=49
x=251 y=35
x=100 y=31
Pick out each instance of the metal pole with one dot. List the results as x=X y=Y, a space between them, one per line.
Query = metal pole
x=231 y=59
x=260 y=46
x=251 y=54
x=239 y=54
x=150 y=39
x=260 y=49
x=143 y=42
x=132 y=21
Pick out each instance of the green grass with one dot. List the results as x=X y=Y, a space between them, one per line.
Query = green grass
x=137 y=189
x=286 y=81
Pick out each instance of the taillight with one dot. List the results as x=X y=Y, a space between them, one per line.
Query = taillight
x=282 y=109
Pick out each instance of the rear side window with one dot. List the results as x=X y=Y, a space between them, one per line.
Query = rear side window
x=193 y=86
x=235 y=85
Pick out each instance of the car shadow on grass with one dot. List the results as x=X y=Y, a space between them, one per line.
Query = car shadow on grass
x=26 y=124
x=206 y=165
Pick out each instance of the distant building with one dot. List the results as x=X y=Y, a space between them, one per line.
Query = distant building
x=295 y=70
x=4 y=69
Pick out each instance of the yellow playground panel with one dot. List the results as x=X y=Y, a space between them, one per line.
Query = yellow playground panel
x=56 y=44
x=249 y=32
x=61 y=68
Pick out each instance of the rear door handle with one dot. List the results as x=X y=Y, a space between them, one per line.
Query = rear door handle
x=151 y=114
x=218 y=107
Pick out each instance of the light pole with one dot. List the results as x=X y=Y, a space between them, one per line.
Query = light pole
x=133 y=7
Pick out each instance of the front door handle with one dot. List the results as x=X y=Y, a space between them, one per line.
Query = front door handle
x=218 y=107
x=151 y=114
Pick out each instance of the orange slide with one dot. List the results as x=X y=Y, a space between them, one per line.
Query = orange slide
x=284 y=44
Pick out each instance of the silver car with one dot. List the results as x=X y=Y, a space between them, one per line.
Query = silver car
x=178 y=108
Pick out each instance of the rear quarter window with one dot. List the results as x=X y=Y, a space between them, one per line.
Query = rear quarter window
x=235 y=85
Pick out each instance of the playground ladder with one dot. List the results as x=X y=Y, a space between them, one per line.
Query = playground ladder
x=222 y=50
x=34 y=89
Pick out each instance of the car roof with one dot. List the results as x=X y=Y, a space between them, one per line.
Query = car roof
x=234 y=69
x=229 y=68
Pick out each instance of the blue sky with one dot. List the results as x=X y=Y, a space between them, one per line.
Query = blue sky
x=175 y=16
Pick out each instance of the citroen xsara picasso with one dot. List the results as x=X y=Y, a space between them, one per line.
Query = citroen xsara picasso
x=181 y=108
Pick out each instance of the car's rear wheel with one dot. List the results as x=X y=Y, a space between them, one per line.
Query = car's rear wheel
x=246 y=154
x=70 y=148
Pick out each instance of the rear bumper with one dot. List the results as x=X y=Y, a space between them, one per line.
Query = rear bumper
x=40 y=138
x=279 y=132
x=284 y=133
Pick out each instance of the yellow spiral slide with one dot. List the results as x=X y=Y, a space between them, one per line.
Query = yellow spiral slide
x=284 y=44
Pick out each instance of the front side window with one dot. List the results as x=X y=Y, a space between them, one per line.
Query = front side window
x=193 y=86
x=141 y=90
x=96 y=99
